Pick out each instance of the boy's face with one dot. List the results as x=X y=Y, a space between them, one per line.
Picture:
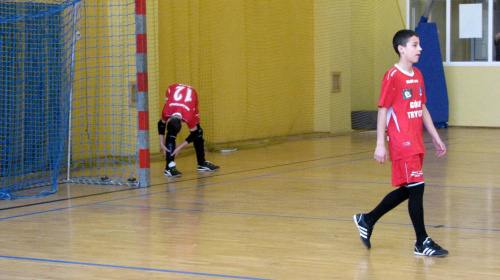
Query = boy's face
x=411 y=51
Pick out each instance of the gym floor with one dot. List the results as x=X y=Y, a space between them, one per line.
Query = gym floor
x=279 y=212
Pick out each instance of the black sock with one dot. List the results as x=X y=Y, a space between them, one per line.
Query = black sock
x=390 y=201
x=416 y=210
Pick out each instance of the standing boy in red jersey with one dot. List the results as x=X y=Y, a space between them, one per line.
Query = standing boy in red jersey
x=182 y=106
x=403 y=113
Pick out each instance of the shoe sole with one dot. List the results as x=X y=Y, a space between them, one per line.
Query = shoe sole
x=168 y=175
x=431 y=256
x=207 y=170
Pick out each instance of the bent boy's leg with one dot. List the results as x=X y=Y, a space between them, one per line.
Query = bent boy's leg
x=170 y=144
x=199 y=146
x=389 y=202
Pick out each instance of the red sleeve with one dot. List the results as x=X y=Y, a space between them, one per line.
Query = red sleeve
x=164 y=113
x=169 y=92
x=195 y=99
x=387 y=91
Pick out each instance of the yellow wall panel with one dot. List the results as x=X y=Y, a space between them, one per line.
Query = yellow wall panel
x=250 y=61
x=473 y=95
x=263 y=69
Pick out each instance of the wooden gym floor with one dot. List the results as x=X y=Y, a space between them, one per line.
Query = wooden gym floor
x=279 y=212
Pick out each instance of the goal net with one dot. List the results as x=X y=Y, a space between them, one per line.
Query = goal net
x=68 y=95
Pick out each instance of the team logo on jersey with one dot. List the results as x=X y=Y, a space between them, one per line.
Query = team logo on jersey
x=407 y=93
x=416 y=174
x=420 y=89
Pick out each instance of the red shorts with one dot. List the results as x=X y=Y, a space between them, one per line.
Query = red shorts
x=407 y=170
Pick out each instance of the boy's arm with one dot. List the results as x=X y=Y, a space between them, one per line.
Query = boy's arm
x=187 y=141
x=429 y=125
x=179 y=148
x=162 y=145
x=380 y=150
x=161 y=132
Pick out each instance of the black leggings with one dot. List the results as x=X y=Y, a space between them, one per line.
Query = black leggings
x=415 y=208
x=198 y=143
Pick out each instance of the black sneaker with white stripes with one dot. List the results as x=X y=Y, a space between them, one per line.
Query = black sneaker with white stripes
x=172 y=172
x=207 y=166
x=430 y=248
x=365 y=231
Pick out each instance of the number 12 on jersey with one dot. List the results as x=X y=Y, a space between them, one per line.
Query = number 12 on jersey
x=178 y=94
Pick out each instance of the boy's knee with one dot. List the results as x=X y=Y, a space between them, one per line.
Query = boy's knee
x=416 y=188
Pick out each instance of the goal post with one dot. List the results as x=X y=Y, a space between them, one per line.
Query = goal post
x=142 y=92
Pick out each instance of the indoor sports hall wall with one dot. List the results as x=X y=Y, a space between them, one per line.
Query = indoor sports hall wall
x=263 y=69
x=352 y=38
x=250 y=61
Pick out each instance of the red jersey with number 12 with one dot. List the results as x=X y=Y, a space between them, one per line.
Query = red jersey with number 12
x=404 y=95
x=183 y=100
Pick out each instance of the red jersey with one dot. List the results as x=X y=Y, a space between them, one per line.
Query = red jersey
x=404 y=95
x=182 y=100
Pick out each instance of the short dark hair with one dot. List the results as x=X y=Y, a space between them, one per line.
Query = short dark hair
x=174 y=126
x=401 y=38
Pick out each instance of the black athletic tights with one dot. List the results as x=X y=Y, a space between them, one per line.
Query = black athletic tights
x=415 y=195
x=198 y=143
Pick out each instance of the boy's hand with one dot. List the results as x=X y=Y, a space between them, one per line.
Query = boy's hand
x=178 y=148
x=381 y=154
x=440 y=147
x=164 y=149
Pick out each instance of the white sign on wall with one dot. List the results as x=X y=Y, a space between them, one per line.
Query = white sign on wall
x=471 y=20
